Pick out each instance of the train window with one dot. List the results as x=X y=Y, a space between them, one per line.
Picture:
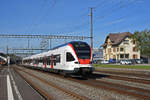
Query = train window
x=39 y=60
x=36 y=61
x=82 y=50
x=57 y=57
x=48 y=60
x=69 y=57
x=44 y=60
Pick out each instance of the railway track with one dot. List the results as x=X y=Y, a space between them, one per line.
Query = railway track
x=118 y=77
x=125 y=73
x=123 y=89
x=64 y=92
x=138 y=93
x=82 y=89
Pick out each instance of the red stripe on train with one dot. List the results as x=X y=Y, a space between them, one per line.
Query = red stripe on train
x=52 y=61
x=84 y=61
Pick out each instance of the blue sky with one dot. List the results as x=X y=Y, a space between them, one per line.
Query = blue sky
x=70 y=17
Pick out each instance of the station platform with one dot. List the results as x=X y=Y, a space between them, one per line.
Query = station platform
x=13 y=87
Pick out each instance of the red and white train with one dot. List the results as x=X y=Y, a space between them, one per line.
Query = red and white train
x=71 y=58
x=3 y=59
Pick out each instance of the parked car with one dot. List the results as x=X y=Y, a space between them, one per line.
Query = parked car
x=125 y=62
x=129 y=62
x=138 y=61
x=104 y=62
x=112 y=60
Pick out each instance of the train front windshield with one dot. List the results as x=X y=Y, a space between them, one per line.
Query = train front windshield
x=82 y=50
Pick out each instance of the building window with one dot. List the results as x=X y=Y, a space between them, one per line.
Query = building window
x=121 y=49
x=114 y=56
x=117 y=49
x=109 y=50
x=135 y=49
x=126 y=42
x=114 y=49
x=117 y=56
x=127 y=56
x=135 y=56
x=133 y=41
x=121 y=55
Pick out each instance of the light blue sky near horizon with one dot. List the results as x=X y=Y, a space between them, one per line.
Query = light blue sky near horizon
x=70 y=17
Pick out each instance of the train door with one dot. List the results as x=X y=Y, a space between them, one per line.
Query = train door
x=45 y=62
x=52 y=61
x=63 y=60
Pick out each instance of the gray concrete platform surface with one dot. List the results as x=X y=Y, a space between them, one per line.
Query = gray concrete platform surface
x=3 y=87
x=13 y=87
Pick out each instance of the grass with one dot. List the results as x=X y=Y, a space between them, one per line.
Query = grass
x=123 y=66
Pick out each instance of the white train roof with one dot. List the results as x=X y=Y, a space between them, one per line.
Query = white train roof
x=48 y=53
x=38 y=55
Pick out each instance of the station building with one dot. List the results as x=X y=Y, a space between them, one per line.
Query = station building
x=97 y=55
x=120 y=46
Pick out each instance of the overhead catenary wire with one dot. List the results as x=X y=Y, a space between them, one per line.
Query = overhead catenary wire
x=103 y=3
x=30 y=27
x=115 y=9
x=86 y=23
x=39 y=17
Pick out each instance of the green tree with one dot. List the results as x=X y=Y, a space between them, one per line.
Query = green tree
x=142 y=39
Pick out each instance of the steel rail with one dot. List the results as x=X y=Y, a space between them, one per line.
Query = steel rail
x=136 y=80
x=127 y=73
x=122 y=89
